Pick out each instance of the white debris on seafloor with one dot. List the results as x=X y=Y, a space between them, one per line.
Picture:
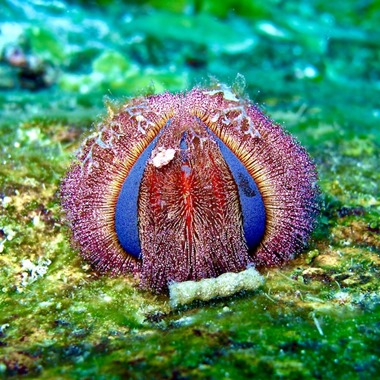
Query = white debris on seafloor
x=31 y=272
x=9 y=234
x=227 y=284
x=162 y=156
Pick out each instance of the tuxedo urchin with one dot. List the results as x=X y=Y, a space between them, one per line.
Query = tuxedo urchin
x=176 y=187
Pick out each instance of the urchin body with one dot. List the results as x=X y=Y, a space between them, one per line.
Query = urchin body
x=177 y=187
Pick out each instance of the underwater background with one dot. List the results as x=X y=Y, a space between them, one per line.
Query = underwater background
x=313 y=66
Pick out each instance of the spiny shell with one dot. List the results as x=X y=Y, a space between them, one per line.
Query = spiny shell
x=176 y=187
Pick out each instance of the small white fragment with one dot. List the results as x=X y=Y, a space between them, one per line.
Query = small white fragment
x=161 y=156
x=215 y=118
x=184 y=321
x=317 y=324
x=4 y=327
x=229 y=95
x=37 y=222
x=10 y=234
x=140 y=118
x=33 y=134
x=343 y=298
x=226 y=91
x=227 y=284
x=271 y=29
x=308 y=71
x=31 y=272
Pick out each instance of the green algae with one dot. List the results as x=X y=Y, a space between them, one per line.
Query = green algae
x=317 y=317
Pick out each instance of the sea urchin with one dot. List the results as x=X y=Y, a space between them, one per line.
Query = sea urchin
x=176 y=187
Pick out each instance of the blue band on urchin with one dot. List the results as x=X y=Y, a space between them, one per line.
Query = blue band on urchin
x=126 y=213
x=252 y=204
